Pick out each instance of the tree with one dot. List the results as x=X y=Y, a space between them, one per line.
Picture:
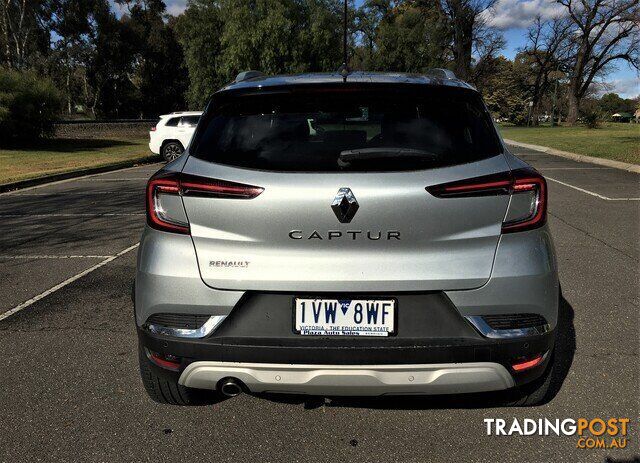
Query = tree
x=158 y=73
x=505 y=91
x=23 y=31
x=487 y=45
x=603 y=32
x=546 y=54
x=611 y=103
x=111 y=65
x=28 y=106
x=198 y=30
x=367 y=19
x=71 y=22
x=222 y=38
x=261 y=34
x=467 y=23
x=320 y=41
x=410 y=36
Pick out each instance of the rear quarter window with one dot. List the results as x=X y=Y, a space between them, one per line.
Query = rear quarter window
x=190 y=121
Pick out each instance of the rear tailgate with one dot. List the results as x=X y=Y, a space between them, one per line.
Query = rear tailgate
x=401 y=238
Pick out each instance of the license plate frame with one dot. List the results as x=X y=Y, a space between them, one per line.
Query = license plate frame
x=352 y=301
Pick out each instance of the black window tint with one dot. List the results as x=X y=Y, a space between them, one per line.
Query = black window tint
x=173 y=122
x=314 y=129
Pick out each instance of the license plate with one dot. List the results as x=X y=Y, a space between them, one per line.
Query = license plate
x=345 y=317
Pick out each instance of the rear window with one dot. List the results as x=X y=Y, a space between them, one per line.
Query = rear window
x=347 y=129
x=190 y=121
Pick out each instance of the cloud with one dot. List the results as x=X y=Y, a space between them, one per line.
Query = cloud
x=176 y=7
x=520 y=14
x=626 y=88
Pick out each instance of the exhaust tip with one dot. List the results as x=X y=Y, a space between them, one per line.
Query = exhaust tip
x=230 y=387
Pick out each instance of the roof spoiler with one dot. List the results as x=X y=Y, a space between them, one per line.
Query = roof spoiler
x=246 y=75
x=441 y=73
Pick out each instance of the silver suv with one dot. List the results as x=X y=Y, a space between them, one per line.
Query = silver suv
x=359 y=235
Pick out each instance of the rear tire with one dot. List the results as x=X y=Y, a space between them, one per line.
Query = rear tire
x=171 y=150
x=163 y=390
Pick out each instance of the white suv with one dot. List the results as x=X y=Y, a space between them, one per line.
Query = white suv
x=172 y=134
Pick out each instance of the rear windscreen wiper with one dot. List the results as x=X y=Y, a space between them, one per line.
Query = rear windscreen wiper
x=384 y=153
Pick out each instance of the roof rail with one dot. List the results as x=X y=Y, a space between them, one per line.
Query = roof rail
x=246 y=75
x=441 y=73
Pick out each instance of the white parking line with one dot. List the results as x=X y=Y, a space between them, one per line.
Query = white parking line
x=55 y=288
x=46 y=256
x=592 y=193
x=71 y=214
x=85 y=177
x=574 y=168
x=65 y=193
x=113 y=179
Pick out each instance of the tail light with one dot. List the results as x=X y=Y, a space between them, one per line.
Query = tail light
x=487 y=185
x=528 y=189
x=153 y=129
x=162 y=192
x=165 y=191
x=528 y=205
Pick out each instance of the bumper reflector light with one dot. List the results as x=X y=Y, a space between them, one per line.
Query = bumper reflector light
x=534 y=362
x=166 y=361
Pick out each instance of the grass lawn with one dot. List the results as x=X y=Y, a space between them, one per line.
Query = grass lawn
x=56 y=156
x=620 y=142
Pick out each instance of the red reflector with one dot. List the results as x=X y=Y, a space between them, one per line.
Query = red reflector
x=164 y=361
x=528 y=364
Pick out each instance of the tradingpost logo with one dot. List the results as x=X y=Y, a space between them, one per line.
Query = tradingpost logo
x=595 y=433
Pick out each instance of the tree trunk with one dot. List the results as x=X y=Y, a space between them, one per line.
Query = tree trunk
x=68 y=91
x=572 y=112
x=463 y=49
x=554 y=104
x=462 y=18
x=4 y=28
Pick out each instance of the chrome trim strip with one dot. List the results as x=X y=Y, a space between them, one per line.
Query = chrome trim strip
x=206 y=329
x=485 y=330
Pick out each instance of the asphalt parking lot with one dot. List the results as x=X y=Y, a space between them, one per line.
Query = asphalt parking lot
x=69 y=384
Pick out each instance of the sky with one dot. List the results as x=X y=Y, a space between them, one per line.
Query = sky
x=513 y=17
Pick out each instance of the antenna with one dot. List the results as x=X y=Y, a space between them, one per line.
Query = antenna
x=344 y=69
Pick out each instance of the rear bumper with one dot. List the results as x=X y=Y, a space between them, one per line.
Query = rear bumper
x=154 y=144
x=433 y=331
x=309 y=364
x=352 y=380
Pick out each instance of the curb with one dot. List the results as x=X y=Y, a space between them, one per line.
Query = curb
x=577 y=157
x=73 y=174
